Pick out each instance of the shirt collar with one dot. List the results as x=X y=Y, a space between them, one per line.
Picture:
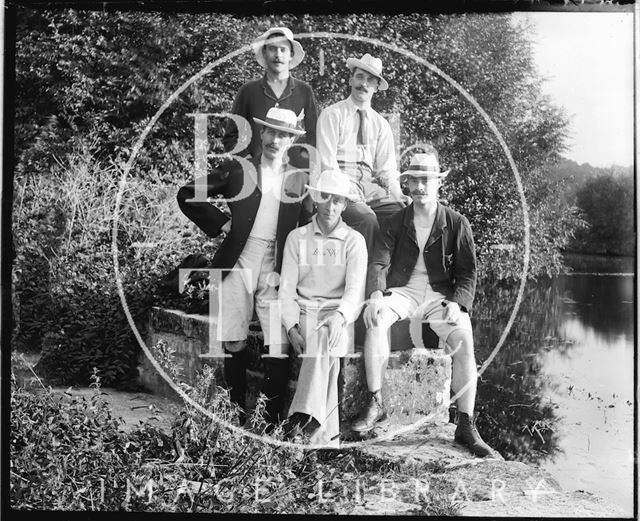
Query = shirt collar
x=280 y=167
x=291 y=83
x=339 y=232
x=353 y=107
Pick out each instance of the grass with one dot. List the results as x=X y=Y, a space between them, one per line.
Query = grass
x=70 y=453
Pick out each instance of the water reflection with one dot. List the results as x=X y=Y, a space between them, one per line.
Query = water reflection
x=604 y=304
x=557 y=319
x=514 y=414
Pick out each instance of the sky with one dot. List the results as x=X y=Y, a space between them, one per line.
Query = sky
x=587 y=60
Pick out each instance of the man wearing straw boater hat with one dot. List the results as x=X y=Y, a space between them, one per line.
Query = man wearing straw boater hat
x=357 y=140
x=265 y=204
x=277 y=52
x=424 y=267
x=321 y=292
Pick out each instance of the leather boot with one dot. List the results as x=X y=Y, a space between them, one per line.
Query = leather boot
x=235 y=375
x=275 y=387
x=373 y=415
x=300 y=426
x=467 y=435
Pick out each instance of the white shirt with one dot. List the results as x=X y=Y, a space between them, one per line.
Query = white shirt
x=266 y=222
x=336 y=141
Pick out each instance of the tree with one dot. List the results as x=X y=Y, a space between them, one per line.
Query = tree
x=607 y=203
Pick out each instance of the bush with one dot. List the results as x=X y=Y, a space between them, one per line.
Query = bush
x=67 y=290
x=70 y=454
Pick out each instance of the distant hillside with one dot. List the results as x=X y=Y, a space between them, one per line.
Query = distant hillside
x=575 y=175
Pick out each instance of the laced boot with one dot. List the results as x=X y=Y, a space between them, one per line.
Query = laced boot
x=275 y=387
x=373 y=415
x=467 y=435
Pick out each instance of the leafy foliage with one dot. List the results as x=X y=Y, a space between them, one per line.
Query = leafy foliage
x=607 y=203
x=70 y=454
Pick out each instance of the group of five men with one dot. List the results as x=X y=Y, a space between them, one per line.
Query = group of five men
x=322 y=247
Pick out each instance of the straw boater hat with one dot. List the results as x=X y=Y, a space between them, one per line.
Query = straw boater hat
x=281 y=119
x=331 y=182
x=371 y=65
x=425 y=165
x=296 y=48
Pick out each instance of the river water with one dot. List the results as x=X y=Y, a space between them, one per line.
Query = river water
x=560 y=393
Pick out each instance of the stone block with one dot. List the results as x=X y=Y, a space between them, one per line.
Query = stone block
x=416 y=384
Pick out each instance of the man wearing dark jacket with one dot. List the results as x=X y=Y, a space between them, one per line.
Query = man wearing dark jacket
x=265 y=200
x=424 y=267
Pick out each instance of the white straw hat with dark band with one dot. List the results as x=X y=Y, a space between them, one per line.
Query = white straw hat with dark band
x=371 y=65
x=281 y=119
x=425 y=165
x=296 y=48
x=332 y=182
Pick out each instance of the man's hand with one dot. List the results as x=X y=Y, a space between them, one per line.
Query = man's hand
x=297 y=340
x=226 y=227
x=372 y=312
x=395 y=192
x=451 y=312
x=335 y=323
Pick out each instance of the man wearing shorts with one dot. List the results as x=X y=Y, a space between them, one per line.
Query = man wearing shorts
x=265 y=206
x=424 y=267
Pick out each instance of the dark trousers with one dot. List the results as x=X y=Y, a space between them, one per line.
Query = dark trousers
x=367 y=218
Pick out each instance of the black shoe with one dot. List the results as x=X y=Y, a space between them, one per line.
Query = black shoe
x=467 y=435
x=300 y=425
x=373 y=415
x=275 y=387
x=235 y=375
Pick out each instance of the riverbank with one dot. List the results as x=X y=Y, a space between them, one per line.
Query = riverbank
x=593 y=263
x=424 y=472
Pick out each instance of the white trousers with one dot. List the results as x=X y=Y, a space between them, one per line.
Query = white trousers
x=317 y=389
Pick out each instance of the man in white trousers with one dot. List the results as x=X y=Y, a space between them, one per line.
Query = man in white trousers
x=321 y=293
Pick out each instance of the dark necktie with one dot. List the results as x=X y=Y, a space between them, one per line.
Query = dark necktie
x=361 y=133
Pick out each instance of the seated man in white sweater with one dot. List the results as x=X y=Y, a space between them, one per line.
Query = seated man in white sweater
x=321 y=292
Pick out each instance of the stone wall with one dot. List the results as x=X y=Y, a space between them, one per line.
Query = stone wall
x=417 y=381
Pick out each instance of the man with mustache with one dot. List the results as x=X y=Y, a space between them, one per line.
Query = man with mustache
x=357 y=140
x=277 y=52
x=424 y=267
x=265 y=204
